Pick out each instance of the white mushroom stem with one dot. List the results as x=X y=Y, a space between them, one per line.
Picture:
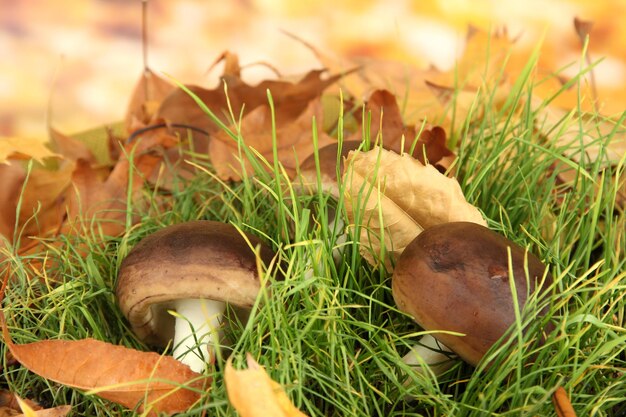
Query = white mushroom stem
x=196 y=331
x=429 y=351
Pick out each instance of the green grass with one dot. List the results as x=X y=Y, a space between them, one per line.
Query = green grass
x=335 y=339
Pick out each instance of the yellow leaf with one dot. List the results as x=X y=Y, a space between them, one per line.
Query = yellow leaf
x=394 y=197
x=254 y=394
x=28 y=412
x=20 y=148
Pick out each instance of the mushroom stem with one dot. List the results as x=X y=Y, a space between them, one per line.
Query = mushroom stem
x=431 y=352
x=196 y=331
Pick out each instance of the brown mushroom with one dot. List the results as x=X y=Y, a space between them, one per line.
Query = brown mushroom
x=455 y=277
x=193 y=268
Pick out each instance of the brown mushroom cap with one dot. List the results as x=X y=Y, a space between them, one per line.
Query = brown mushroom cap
x=454 y=277
x=198 y=259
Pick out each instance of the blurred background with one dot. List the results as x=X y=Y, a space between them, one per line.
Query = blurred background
x=73 y=63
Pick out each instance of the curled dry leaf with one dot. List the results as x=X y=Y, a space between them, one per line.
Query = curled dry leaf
x=394 y=197
x=125 y=376
x=254 y=394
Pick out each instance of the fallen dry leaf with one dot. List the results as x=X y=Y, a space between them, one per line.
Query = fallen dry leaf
x=389 y=130
x=103 y=198
x=22 y=148
x=69 y=147
x=12 y=177
x=293 y=112
x=254 y=394
x=60 y=411
x=10 y=404
x=125 y=376
x=28 y=411
x=562 y=404
x=294 y=140
x=394 y=197
x=44 y=197
x=148 y=94
x=180 y=108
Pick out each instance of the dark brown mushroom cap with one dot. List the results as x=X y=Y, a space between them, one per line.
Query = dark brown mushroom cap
x=198 y=259
x=454 y=277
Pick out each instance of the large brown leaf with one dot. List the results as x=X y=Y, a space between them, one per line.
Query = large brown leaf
x=126 y=376
x=394 y=197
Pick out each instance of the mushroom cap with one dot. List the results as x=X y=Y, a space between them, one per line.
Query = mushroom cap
x=454 y=277
x=198 y=259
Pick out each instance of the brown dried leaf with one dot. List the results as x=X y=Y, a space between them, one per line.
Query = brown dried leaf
x=180 y=108
x=294 y=140
x=60 y=411
x=21 y=148
x=44 y=195
x=119 y=374
x=398 y=137
x=147 y=96
x=12 y=177
x=254 y=394
x=562 y=404
x=387 y=119
x=71 y=148
x=9 y=401
x=28 y=411
x=102 y=196
x=396 y=197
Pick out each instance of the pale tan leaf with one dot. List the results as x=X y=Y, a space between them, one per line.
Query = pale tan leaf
x=23 y=148
x=254 y=394
x=60 y=411
x=28 y=411
x=600 y=140
x=394 y=197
